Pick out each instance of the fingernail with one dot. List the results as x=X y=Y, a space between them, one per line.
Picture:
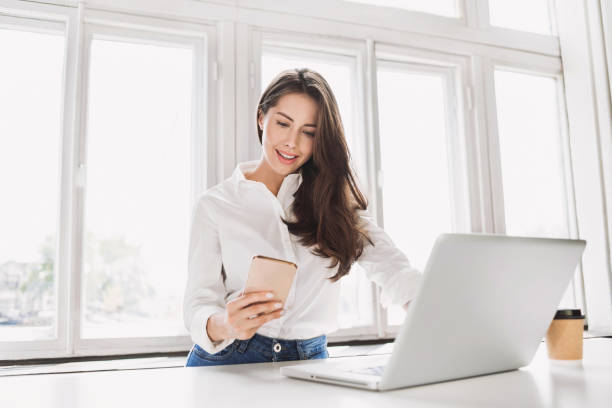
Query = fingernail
x=277 y=305
x=269 y=295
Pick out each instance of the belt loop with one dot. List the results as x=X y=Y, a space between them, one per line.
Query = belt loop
x=300 y=350
x=242 y=346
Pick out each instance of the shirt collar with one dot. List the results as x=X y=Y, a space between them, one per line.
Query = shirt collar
x=291 y=182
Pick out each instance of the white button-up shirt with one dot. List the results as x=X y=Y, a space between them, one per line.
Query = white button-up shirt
x=239 y=218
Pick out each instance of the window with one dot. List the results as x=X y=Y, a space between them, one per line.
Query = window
x=30 y=146
x=534 y=163
x=523 y=15
x=101 y=159
x=138 y=189
x=447 y=8
x=356 y=297
x=413 y=110
x=532 y=155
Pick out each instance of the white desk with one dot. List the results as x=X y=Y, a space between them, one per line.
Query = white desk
x=260 y=385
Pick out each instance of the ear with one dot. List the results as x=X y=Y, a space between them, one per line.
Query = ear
x=259 y=120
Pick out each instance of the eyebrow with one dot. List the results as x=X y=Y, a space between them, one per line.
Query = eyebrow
x=289 y=117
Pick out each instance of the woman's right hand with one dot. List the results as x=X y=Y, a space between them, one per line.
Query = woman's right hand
x=243 y=316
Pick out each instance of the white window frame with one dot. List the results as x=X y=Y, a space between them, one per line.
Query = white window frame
x=106 y=25
x=207 y=161
x=341 y=50
x=553 y=71
x=454 y=69
x=55 y=20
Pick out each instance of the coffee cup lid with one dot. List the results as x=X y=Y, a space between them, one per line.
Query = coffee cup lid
x=569 y=314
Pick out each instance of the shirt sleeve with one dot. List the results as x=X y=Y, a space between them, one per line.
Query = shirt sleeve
x=387 y=266
x=205 y=290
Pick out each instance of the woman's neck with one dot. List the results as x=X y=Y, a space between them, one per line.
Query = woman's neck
x=264 y=174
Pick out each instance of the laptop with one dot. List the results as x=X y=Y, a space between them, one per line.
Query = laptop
x=484 y=305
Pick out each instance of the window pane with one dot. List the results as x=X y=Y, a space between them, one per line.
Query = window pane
x=138 y=189
x=535 y=199
x=530 y=145
x=523 y=15
x=447 y=8
x=356 y=308
x=30 y=87
x=416 y=188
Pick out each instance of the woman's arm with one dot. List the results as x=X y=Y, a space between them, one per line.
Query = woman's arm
x=387 y=266
x=205 y=291
x=212 y=323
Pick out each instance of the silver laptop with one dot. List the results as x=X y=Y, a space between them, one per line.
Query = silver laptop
x=484 y=306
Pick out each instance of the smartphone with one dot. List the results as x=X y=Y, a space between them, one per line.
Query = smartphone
x=271 y=274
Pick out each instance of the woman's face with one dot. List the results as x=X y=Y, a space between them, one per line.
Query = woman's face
x=288 y=129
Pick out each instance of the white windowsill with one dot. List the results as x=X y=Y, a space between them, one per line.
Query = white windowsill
x=161 y=362
x=169 y=362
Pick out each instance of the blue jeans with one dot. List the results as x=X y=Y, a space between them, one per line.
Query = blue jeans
x=260 y=349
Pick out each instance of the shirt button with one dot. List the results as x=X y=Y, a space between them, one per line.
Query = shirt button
x=277 y=348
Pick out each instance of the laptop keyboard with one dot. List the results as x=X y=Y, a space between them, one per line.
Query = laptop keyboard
x=378 y=370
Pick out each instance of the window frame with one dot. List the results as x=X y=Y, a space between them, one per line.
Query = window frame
x=341 y=50
x=465 y=212
x=554 y=72
x=104 y=25
x=486 y=22
x=206 y=162
x=54 y=20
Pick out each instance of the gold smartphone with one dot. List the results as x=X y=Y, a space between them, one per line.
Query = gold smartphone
x=271 y=274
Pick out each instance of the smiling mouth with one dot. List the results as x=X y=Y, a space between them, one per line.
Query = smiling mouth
x=286 y=157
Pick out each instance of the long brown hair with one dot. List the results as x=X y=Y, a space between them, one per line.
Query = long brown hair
x=326 y=203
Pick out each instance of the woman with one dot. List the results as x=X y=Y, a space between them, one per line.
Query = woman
x=298 y=202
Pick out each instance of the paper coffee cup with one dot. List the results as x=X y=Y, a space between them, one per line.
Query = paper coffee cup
x=564 y=336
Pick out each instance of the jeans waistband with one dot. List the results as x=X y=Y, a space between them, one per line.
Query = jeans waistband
x=271 y=340
x=286 y=344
